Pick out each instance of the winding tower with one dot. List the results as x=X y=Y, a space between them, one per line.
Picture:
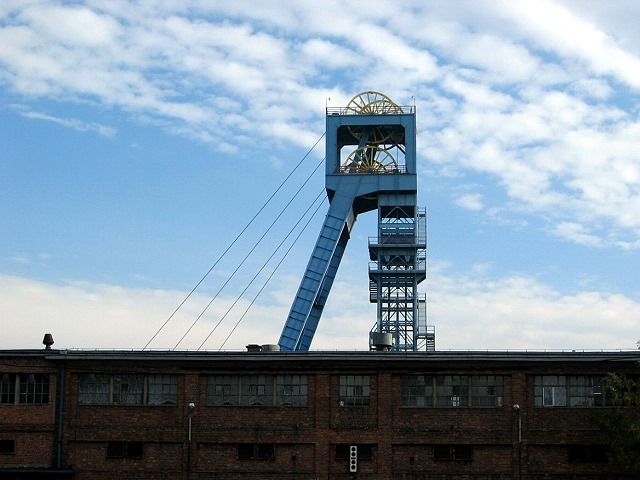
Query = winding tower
x=370 y=165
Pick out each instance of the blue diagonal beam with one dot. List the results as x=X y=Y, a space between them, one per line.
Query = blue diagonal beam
x=300 y=326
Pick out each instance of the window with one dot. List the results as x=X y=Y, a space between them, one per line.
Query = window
x=128 y=389
x=125 y=449
x=257 y=390
x=291 y=390
x=417 y=391
x=550 y=391
x=365 y=451
x=256 y=451
x=223 y=390
x=7 y=446
x=587 y=453
x=452 y=452
x=452 y=391
x=586 y=391
x=573 y=391
x=8 y=388
x=25 y=388
x=163 y=390
x=486 y=391
x=354 y=390
x=95 y=388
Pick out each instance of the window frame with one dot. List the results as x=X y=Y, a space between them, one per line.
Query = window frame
x=25 y=388
x=456 y=391
x=126 y=389
x=256 y=451
x=451 y=452
x=572 y=391
x=354 y=390
x=132 y=450
x=257 y=390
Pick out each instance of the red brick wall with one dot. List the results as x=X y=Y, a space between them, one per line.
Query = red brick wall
x=305 y=438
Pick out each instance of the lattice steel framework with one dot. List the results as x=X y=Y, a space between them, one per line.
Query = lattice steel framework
x=370 y=164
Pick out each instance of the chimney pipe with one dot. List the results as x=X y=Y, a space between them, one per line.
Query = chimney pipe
x=47 y=341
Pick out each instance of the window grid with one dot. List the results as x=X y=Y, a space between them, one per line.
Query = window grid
x=291 y=390
x=355 y=390
x=127 y=389
x=8 y=388
x=257 y=390
x=24 y=388
x=569 y=390
x=163 y=390
x=452 y=391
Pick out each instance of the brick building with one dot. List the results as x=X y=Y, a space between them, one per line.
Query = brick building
x=257 y=415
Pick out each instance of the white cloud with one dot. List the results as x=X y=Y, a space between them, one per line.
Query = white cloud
x=539 y=97
x=73 y=123
x=521 y=313
x=470 y=201
x=578 y=234
x=469 y=313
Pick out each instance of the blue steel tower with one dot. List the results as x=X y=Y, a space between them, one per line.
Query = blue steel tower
x=370 y=165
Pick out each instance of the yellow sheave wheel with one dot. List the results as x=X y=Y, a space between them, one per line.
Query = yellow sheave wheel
x=372 y=103
x=370 y=159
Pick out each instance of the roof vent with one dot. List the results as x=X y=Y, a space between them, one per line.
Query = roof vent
x=271 y=348
x=47 y=341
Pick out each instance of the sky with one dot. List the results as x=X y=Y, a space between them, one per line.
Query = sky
x=160 y=162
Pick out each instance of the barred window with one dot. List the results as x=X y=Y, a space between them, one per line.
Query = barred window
x=127 y=389
x=355 y=390
x=452 y=391
x=25 y=388
x=417 y=391
x=257 y=390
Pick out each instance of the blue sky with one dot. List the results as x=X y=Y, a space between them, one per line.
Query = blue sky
x=138 y=139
